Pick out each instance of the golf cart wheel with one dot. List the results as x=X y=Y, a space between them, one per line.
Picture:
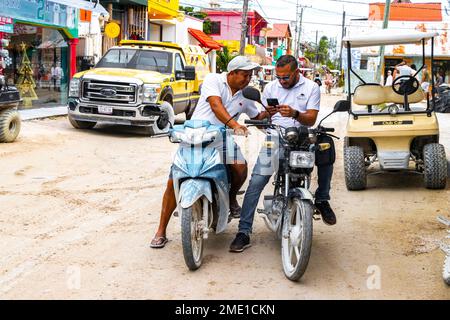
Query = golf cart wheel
x=9 y=125
x=435 y=166
x=354 y=168
x=81 y=124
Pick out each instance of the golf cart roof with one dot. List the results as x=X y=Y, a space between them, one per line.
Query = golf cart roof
x=387 y=37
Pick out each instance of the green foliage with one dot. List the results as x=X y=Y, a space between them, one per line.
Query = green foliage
x=199 y=15
x=223 y=58
x=207 y=28
x=320 y=54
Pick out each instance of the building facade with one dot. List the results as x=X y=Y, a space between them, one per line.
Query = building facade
x=404 y=17
x=41 y=48
x=226 y=28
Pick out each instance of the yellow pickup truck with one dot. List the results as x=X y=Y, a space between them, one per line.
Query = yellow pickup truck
x=138 y=83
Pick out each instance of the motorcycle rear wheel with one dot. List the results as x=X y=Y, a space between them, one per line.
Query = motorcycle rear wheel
x=192 y=235
x=296 y=238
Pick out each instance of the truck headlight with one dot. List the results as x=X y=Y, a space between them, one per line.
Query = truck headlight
x=150 y=93
x=74 y=88
x=302 y=159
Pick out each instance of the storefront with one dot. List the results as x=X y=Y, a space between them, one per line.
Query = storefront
x=42 y=39
x=43 y=74
x=41 y=46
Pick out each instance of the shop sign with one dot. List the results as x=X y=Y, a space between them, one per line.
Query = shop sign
x=41 y=11
x=6 y=25
x=112 y=30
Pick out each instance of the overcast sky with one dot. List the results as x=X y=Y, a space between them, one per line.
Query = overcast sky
x=322 y=15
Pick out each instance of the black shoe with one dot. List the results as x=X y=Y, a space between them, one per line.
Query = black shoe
x=241 y=242
x=327 y=213
x=235 y=212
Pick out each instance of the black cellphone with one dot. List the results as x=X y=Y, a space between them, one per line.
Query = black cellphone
x=273 y=102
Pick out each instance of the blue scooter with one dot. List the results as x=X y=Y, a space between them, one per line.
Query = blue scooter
x=201 y=185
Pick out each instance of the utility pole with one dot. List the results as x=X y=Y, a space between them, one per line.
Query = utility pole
x=299 y=32
x=387 y=7
x=296 y=31
x=342 y=37
x=244 y=28
x=317 y=47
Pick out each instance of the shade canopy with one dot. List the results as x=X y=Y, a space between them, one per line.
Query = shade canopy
x=387 y=37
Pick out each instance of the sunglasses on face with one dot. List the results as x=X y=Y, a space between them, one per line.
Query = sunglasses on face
x=285 y=78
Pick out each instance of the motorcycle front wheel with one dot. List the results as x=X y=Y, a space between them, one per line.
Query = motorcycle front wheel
x=296 y=238
x=192 y=235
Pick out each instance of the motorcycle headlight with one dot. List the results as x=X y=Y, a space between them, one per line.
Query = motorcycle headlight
x=74 y=88
x=302 y=159
x=150 y=93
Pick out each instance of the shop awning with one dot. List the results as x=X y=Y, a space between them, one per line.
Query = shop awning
x=205 y=40
x=86 y=5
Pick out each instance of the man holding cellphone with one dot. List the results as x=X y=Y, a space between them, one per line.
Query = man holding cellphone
x=298 y=104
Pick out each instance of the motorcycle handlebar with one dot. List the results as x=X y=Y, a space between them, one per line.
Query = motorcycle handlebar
x=257 y=122
x=328 y=129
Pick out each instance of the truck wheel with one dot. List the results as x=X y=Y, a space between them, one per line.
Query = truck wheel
x=9 y=125
x=81 y=124
x=164 y=122
x=435 y=166
x=354 y=168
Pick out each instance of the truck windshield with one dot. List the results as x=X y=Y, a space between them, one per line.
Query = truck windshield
x=137 y=59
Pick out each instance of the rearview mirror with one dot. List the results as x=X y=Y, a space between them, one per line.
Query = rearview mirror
x=188 y=73
x=252 y=94
x=342 y=106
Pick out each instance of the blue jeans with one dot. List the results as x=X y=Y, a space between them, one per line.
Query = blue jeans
x=259 y=181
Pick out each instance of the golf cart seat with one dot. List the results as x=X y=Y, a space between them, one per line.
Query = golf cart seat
x=392 y=97
x=369 y=94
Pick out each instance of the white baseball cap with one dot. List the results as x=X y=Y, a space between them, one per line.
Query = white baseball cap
x=241 y=63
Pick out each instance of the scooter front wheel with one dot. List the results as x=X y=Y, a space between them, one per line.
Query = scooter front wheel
x=296 y=238
x=192 y=235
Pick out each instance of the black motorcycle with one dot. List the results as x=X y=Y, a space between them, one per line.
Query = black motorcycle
x=289 y=211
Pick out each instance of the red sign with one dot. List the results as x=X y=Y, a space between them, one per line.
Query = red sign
x=6 y=20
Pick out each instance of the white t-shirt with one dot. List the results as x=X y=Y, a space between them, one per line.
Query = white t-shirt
x=216 y=84
x=305 y=95
x=405 y=71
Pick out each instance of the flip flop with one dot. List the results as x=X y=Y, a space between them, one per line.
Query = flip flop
x=158 y=242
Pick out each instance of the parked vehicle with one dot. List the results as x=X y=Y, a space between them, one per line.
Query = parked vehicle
x=10 y=122
x=391 y=126
x=139 y=83
x=442 y=101
x=201 y=184
x=289 y=211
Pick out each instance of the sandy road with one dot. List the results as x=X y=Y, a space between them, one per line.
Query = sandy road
x=78 y=209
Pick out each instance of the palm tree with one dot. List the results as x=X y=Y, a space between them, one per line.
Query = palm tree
x=223 y=58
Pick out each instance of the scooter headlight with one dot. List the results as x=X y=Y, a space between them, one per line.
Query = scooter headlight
x=302 y=159
x=194 y=136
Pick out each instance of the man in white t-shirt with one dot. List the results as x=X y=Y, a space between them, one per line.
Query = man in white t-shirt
x=299 y=103
x=221 y=103
x=404 y=70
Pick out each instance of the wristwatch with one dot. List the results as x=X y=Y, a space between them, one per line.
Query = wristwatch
x=296 y=114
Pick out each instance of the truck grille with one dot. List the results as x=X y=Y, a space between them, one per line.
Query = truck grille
x=109 y=92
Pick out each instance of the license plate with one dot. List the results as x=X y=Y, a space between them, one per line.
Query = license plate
x=105 y=109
